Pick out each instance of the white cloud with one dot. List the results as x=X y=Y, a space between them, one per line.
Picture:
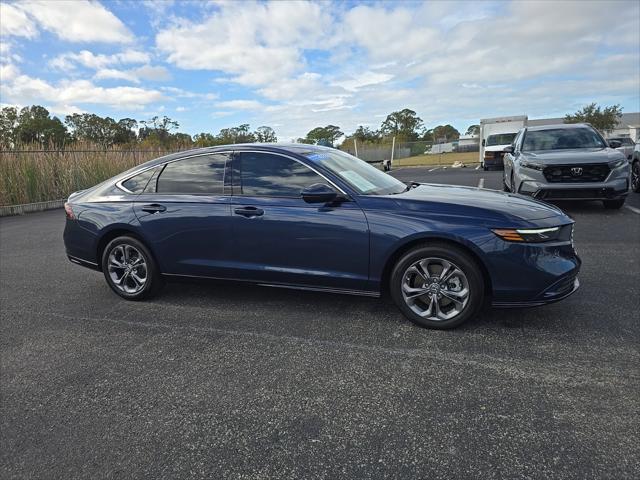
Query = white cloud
x=14 y=22
x=77 y=20
x=240 y=104
x=85 y=58
x=135 y=75
x=27 y=90
x=256 y=43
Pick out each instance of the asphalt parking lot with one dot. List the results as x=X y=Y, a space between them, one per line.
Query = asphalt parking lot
x=235 y=381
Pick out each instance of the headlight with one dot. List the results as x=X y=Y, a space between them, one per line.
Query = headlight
x=533 y=166
x=618 y=163
x=528 y=235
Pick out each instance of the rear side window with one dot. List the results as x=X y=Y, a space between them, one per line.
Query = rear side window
x=138 y=183
x=203 y=175
x=268 y=175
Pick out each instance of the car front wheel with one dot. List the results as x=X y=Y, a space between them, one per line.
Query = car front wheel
x=437 y=286
x=130 y=269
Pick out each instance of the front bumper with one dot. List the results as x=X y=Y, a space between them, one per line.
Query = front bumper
x=534 y=184
x=559 y=291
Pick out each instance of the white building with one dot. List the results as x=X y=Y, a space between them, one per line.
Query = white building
x=628 y=125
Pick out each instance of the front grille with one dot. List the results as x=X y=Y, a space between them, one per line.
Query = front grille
x=593 y=172
x=575 y=193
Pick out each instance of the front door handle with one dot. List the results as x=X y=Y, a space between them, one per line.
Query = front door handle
x=249 y=211
x=153 y=208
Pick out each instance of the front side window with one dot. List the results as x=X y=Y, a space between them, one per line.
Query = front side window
x=268 y=175
x=561 y=139
x=203 y=175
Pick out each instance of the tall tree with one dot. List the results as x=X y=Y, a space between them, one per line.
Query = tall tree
x=326 y=136
x=473 y=130
x=8 y=127
x=404 y=123
x=444 y=133
x=604 y=119
x=365 y=134
x=36 y=126
x=265 y=134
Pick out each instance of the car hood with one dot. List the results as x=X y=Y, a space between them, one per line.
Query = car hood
x=478 y=202
x=580 y=155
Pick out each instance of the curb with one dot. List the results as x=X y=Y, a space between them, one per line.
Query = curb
x=9 y=210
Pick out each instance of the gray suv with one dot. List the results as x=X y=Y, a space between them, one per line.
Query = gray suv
x=566 y=162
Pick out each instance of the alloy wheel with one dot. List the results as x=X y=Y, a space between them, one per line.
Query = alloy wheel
x=635 y=176
x=435 y=289
x=127 y=268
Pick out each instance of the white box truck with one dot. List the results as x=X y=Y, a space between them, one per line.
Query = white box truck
x=495 y=135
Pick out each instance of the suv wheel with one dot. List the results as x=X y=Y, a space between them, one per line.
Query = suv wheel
x=437 y=286
x=505 y=187
x=613 y=204
x=635 y=176
x=130 y=269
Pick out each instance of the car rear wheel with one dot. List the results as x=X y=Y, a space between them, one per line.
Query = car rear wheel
x=130 y=270
x=437 y=286
x=635 y=176
x=613 y=204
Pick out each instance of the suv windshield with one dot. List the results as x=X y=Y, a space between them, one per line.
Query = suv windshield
x=362 y=177
x=561 y=139
x=500 y=139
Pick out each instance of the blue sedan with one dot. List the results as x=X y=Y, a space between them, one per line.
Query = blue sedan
x=316 y=218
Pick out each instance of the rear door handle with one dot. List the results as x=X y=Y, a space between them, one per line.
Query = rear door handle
x=153 y=208
x=249 y=211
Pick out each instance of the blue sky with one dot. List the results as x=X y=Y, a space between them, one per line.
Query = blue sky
x=298 y=65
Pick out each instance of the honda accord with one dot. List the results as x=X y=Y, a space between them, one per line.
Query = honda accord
x=316 y=218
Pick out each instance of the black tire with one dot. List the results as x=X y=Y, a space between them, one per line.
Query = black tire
x=613 y=204
x=505 y=187
x=462 y=261
x=512 y=188
x=485 y=168
x=635 y=176
x=153 y=280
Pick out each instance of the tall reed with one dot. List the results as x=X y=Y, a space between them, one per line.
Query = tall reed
x=30 y=174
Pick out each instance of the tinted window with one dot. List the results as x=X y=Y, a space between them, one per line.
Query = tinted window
x=139 y=182
x=501 y=139
x=267 y=175
x=561 y=139
x=203 y=175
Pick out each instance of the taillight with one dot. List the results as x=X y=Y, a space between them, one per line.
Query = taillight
x=488 y=155
x=69 y=211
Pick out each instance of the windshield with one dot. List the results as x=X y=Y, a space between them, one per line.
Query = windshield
x=361 y=176
x=500 y=139
x=623 y=140
x=561 y=139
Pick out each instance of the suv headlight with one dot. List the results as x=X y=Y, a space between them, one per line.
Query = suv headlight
x=618 y=163
x=532 y=165
x=528 y=235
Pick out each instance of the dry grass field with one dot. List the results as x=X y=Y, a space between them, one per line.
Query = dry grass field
x=437 y=159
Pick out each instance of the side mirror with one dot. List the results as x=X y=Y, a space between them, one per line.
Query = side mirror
x=319 y=193
x=615 y=143
x=508 y=149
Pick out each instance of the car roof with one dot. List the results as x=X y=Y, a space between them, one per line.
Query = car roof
x=559 y=126
x=295 y=148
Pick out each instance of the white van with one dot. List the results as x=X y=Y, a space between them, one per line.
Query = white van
x=495 y=135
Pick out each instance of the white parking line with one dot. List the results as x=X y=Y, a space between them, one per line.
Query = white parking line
x=478 y=167
x=433 y=169
x=633 y=209
x=481 y=183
